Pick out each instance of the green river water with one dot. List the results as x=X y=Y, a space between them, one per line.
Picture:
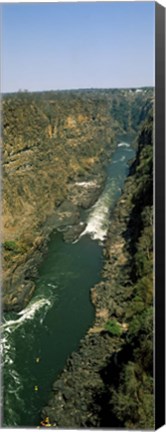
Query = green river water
x=37 y=341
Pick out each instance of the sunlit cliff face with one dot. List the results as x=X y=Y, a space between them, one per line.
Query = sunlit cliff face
x=40 y=154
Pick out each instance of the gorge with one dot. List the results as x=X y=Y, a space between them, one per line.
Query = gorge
x=66 y=157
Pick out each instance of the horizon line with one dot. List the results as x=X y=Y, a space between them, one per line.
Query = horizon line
x=77 y=89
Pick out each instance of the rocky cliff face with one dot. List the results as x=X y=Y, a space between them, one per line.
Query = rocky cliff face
x=48 y=146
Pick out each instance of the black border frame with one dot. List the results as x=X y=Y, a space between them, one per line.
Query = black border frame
x=159 y=216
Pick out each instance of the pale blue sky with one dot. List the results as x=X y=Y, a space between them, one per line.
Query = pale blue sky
x=77 y=45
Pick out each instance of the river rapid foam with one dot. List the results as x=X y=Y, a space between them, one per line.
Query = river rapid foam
x=99 y=217
x=36 y=308
x=98 y=220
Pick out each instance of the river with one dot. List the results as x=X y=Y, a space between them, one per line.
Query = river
x=37 y=341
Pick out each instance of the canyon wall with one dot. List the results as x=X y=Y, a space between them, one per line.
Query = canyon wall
x=51 y=141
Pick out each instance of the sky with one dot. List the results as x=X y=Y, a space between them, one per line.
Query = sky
x=54 y=46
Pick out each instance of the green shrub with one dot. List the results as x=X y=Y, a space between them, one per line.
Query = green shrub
x=113 y=327
x=11 y=246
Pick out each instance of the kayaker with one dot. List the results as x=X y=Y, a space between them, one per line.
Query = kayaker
x=46 y=422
